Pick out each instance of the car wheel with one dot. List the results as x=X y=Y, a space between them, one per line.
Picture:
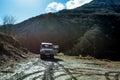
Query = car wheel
x=42 y=56
x=52 y=57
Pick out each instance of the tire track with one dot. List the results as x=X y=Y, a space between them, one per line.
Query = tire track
x=67 y=71
x=51 y=69
x=37 y=77
x=56 y=70
x=115 y=75
x=49 y=73
x=27 y=75
x=46 y=72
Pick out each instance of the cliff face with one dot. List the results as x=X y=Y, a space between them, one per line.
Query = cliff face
x=68 y=28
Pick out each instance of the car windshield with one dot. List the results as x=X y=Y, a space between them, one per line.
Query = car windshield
x=47 y=46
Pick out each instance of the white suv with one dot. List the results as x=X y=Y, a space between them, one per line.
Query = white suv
x=47 y=50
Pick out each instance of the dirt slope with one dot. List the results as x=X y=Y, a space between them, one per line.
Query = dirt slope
x=10 y=50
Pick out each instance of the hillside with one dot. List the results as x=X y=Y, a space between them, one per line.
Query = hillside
x=92 y=29
x=102 y=6
x=10 y=50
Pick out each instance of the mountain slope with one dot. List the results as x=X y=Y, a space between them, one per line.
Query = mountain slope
x=97 y=6
x=77 y=27
x=103 y=5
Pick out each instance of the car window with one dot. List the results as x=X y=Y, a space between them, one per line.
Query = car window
x=47 y=46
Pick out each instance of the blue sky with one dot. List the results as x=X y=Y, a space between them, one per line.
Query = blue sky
x=24 y=9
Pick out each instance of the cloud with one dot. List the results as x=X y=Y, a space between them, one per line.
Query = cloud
x=71 y=4
x=54 y=7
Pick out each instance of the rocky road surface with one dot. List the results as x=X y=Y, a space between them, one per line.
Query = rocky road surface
x=62 y=68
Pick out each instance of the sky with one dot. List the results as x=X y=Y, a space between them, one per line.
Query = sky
x=24 y=9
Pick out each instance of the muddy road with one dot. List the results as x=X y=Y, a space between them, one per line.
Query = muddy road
x=62 y=68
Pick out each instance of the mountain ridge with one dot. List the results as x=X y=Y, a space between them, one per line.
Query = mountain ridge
x=70 y=28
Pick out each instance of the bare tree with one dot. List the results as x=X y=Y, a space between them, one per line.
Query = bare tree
x=7 y=20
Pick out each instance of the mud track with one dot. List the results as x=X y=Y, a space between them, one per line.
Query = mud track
x=63 y=69
x=51 y=67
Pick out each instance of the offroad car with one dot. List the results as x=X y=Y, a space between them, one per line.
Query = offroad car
x=47 y=50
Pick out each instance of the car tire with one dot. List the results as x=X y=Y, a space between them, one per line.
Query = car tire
x=52 y=56
x=42 y=56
